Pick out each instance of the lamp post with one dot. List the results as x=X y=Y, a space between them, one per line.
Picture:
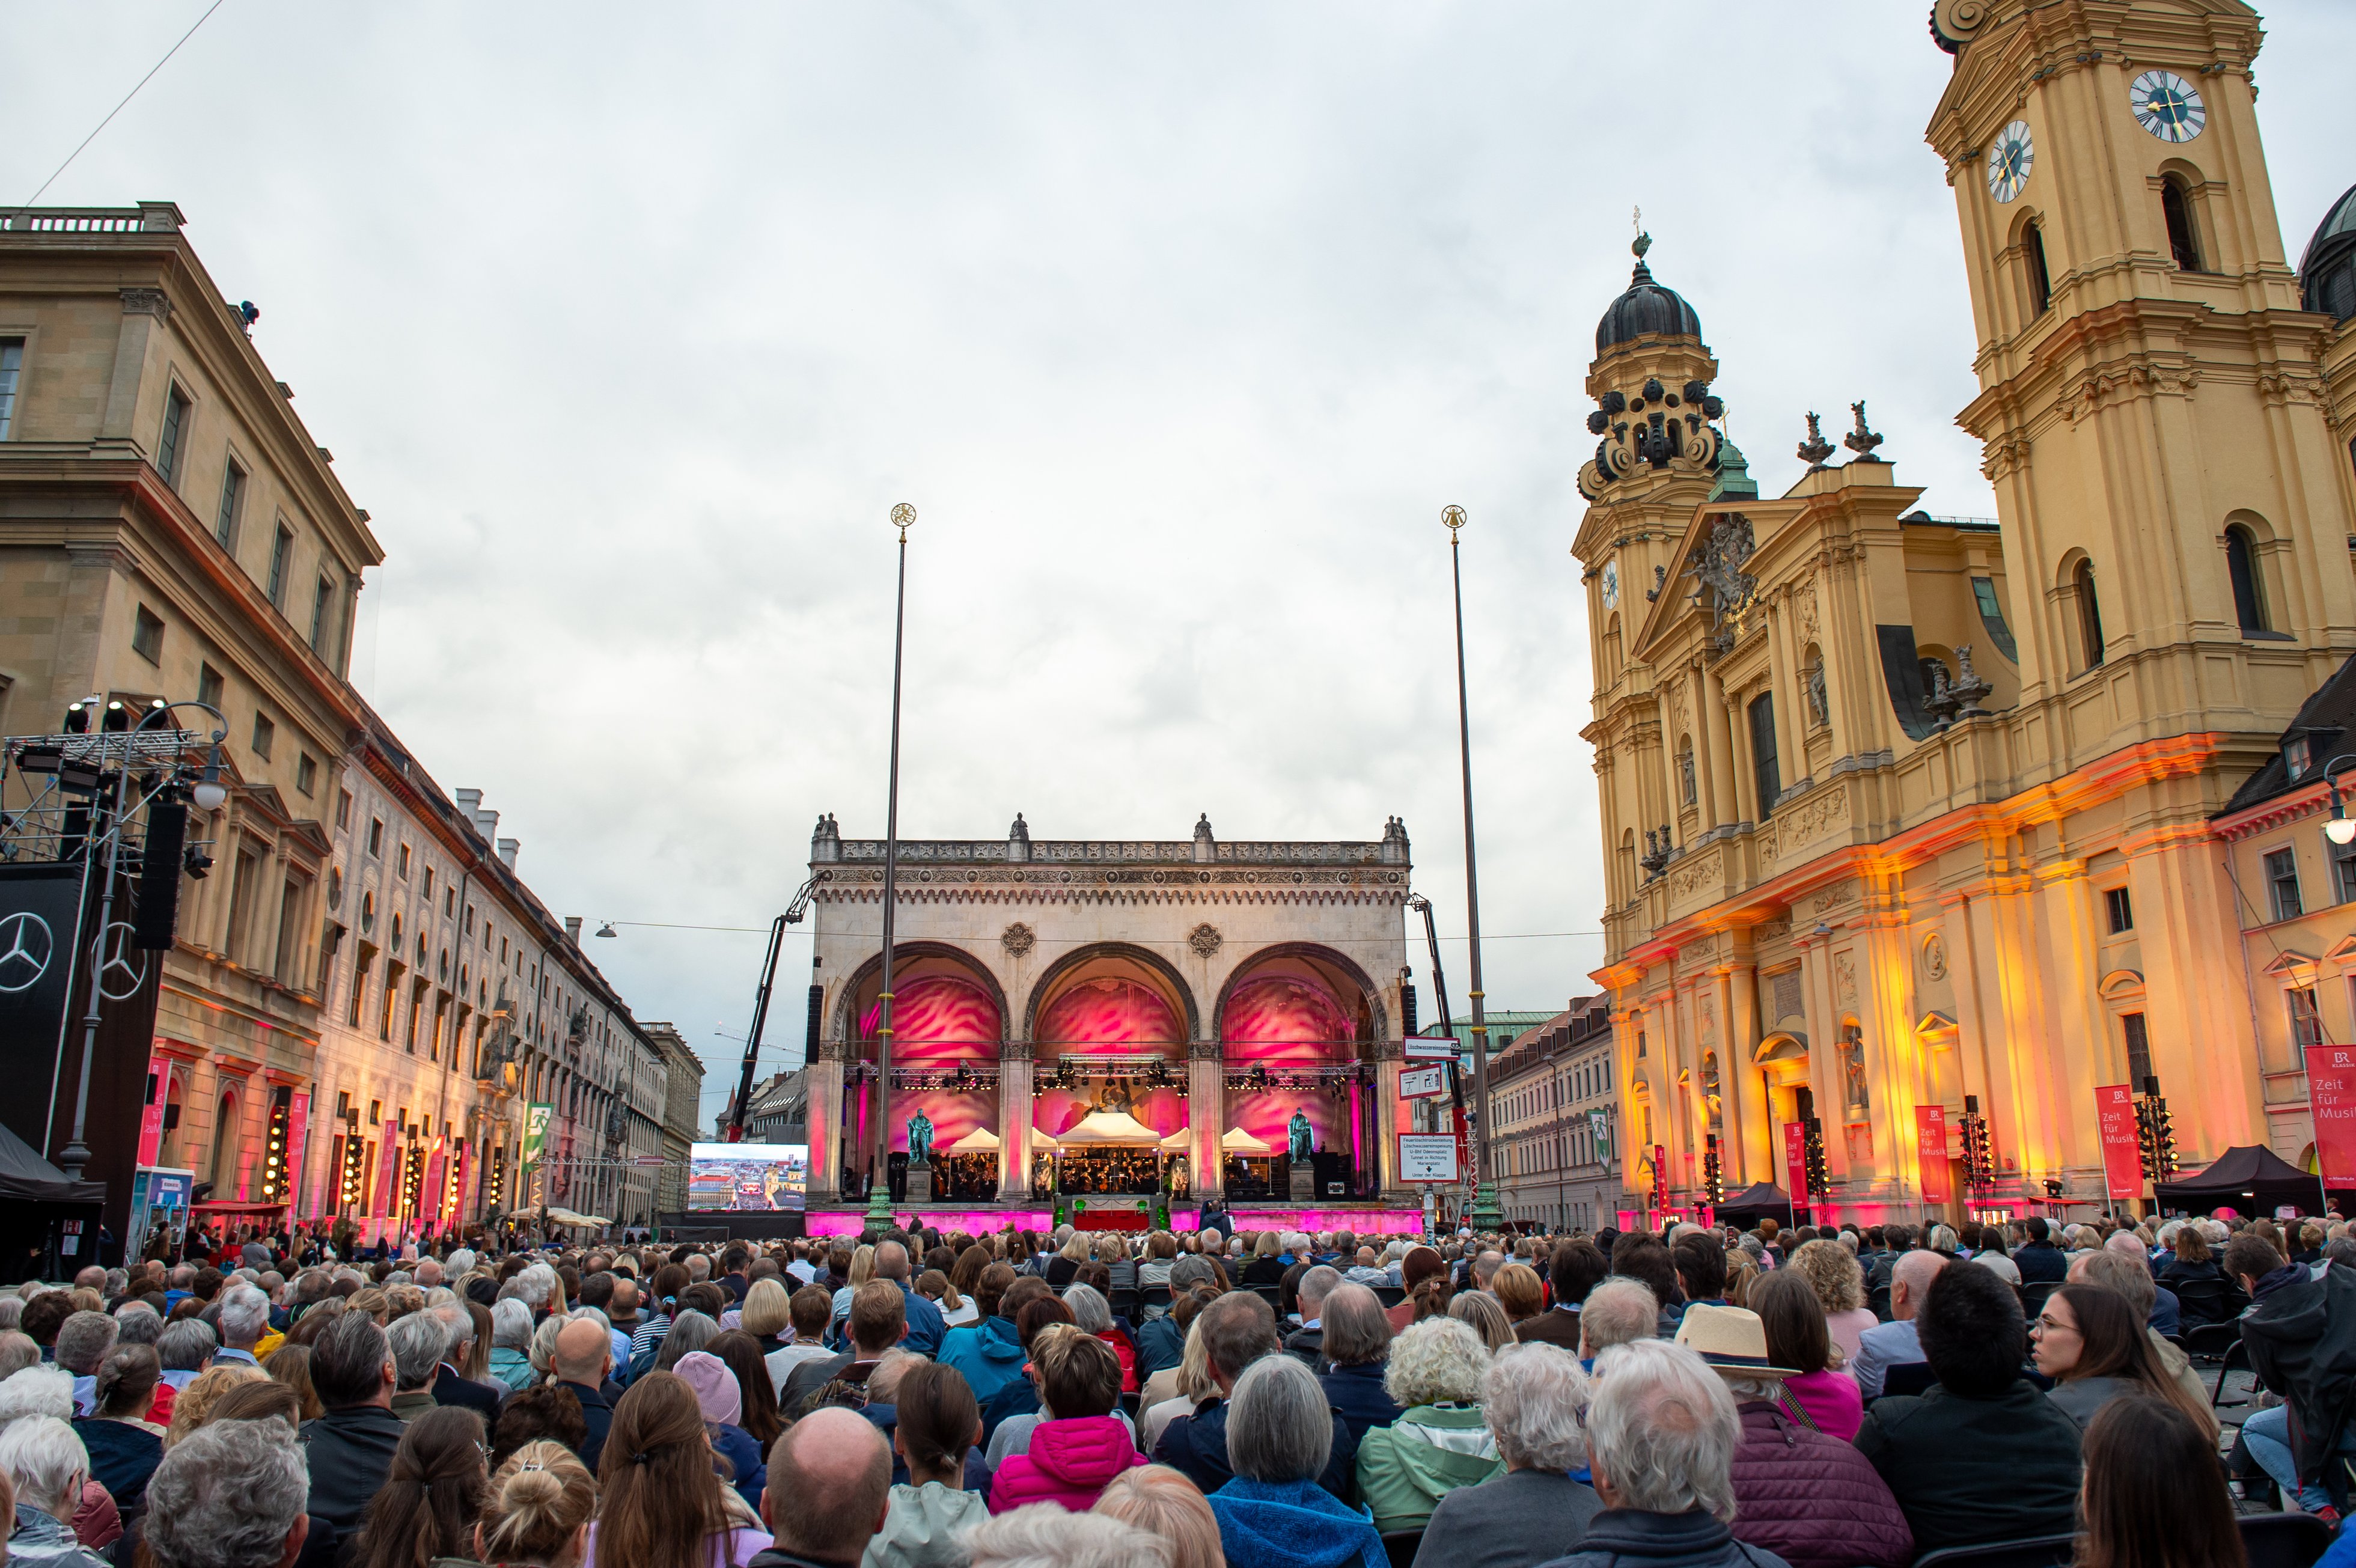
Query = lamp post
x=879 y=1189
x=1485 y=1213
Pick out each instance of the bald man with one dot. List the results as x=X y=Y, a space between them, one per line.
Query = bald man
x=1895 y=1343
x=583 y=1358
x=829 y=1488
x=925 y=1324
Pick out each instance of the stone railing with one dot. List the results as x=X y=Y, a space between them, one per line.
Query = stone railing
x=1116 y=852
x=148 y=217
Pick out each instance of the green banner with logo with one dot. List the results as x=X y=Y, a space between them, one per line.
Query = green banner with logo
x=536 y=1118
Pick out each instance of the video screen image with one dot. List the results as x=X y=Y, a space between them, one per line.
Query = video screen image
x=759 y=1177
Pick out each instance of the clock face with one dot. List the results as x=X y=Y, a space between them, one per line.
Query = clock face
x=1612 y=584
x=2009 y=161
x=2167 y=106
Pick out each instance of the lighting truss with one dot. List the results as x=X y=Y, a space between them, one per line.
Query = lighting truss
x=57 y=791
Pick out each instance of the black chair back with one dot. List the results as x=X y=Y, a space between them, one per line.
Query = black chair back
x=1907 y=1377
x=1390 y=1295
x=2210 y=1341
x=2034 y=1296
x=1401 y=1545
x=1154 y=1295
x=2237 y=1358
x=2200 y=1301
x=2284 y=1540
x=1879 y=1300
x=2036 y=1551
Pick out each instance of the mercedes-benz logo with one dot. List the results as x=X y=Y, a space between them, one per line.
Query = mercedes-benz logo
x=119 y=976
x=27 y=945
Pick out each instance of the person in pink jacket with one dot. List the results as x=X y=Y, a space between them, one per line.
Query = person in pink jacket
x=1081 y=1446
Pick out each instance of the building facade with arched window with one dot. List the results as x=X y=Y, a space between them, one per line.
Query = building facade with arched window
x=1928 y=803
x=1201 y=1004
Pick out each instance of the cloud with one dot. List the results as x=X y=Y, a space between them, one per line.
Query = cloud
x=1179 y=326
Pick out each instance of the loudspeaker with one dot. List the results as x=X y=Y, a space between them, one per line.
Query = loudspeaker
x=810 y=1041
x=159 y=875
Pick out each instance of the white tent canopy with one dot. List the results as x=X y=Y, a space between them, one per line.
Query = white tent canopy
x=1238 y=1141
x=567 y=1216
x=1116 y=1127
x=980 y=1141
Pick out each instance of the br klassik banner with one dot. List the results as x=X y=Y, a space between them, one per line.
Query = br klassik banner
x=1930 y=1151
x=2332 y=1100
x=2114 y=1116
x=1795 y=1159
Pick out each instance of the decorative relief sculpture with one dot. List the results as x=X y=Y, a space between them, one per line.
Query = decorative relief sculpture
x=1820 y=704
x=1717 y=566
x=1844 y=979
x=1203 y=939
x=1934 y=957
x=1018 y=938
x=1698 y=874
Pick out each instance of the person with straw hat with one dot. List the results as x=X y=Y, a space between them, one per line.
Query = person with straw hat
x=1807 y=1496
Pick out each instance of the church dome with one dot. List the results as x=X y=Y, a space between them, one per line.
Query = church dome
x=1646 y=310
x=2326 y=273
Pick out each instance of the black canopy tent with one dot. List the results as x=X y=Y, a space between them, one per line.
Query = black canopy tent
x=1760 y=1200
x=2251 y=1179
x=35 y=1198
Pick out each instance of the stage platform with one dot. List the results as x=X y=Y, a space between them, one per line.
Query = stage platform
x=1366 y=1219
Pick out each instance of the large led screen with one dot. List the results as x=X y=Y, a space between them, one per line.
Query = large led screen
x=751 y=1177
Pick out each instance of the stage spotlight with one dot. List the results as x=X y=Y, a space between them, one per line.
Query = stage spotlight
x=116 y=719
x=76 y=719
x=196 y=860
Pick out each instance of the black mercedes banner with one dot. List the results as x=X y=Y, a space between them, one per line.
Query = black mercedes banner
x=39 y=905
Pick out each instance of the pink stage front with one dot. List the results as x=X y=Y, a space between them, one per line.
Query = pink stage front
x=983 y=1221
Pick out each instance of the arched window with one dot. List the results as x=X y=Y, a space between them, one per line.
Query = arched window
x=2040 y=281
x=2090 y=615
x=2242 y=566
x=2183 y=240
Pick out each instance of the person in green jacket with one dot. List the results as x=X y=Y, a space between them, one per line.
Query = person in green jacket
x=1439 y=1441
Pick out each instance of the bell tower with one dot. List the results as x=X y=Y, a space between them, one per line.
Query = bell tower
x=2151 y=397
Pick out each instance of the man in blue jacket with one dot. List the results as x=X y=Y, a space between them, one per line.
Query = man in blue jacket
x=990 y=1353
x=925 y=1324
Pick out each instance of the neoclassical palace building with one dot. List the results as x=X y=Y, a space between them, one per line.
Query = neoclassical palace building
x=1907 y=812
x=1210 y=993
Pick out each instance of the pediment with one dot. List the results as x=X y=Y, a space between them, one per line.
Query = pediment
x=2288 y=963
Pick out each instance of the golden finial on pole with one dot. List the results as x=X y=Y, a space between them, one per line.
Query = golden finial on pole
x=1453 y=516
x=901 y=516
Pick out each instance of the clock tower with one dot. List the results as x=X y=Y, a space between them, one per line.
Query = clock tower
x=2151 y=400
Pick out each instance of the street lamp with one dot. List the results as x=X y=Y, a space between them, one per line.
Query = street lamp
x=879 y=1199
x=1485 y=1214
x=2342 y=829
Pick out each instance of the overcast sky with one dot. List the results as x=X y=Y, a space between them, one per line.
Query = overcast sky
x=1178 y=325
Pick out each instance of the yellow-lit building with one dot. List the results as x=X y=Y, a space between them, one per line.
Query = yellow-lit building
x=1904 y=811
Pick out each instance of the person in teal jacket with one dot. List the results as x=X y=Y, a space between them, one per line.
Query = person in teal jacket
x=990 y=1352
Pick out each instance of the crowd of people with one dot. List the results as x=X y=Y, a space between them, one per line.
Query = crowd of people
x=1699 y=1398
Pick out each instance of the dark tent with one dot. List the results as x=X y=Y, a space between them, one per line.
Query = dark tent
x=26 y=1177
x=2250 y=1179
x=1760 y=1200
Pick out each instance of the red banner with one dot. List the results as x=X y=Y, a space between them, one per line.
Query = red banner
x=458 y=1187
x=2114 y=1116
x=430 y=1193
x=388 y=1180
x=150 y=1117
x=1930 y=1151
x=298 y=1124
x=2331 y=1101
x=1795 y=1160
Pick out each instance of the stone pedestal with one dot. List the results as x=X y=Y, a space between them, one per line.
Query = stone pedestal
x=920 y=1184
x=1304 y=1184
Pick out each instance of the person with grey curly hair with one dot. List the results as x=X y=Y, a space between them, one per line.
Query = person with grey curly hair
x=229 y=1495
x=1532 y=1399
x=1440 y=1441
x=1661 y=1437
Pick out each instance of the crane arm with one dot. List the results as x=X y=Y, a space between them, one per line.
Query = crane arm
x=792 y=916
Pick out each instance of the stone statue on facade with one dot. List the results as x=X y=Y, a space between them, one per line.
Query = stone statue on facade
x=1298 y=1137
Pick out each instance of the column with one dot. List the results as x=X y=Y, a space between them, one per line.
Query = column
x=1783 y=682
x=1385 y=1131
x=1716 y=722
x=1824 y=1048
x=826 y=1121
x=1206 y=1115
x=1673 y=793
x=1733 y=1058
x=1014 y=1079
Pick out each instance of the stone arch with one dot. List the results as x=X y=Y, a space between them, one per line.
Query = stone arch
x=842 y=1022
x=1078 y=958
x=1370 y=995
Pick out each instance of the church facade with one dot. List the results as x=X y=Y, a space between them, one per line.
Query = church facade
x=1907 y=817
x=1240 y=1000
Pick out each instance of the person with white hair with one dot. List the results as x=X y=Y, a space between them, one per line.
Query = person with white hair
x=83 y=1341
x=419 y=1342
x=231 y=1495
x=1531 y=1399
x=451 y=1386
x=244 y=1319
x=1661 y=1437
x=511 y=1332
x=1273 y=1512
x=185 y=1349
x=1619 y=1311
x=48 y=1467
x=1440 y=1441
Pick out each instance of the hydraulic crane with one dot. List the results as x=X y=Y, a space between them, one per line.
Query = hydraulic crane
x=792 y=916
